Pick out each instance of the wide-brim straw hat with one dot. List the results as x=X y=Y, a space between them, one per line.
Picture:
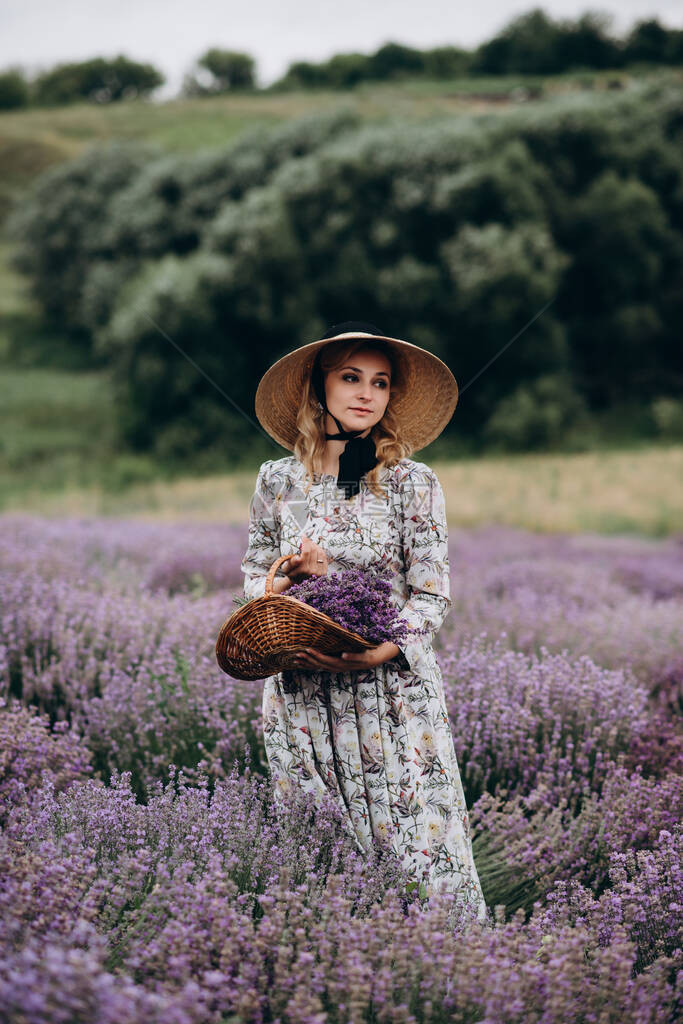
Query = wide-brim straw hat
x=423 y=407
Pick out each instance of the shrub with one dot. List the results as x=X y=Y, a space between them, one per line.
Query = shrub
x=541 y=414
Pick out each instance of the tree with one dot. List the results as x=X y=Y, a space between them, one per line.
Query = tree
x=624 y=253
x=557 y=229
x=533 y=43
x=101 y=80
x=304 y=75
x=390 y=61
x=527 y=44
x=58 y=226
x=220 y=71
x=13 y=89
x=345 y=70
x=447 y=62
x=649 y=41
x=587 y=43
x=394 y=60
x=540 y=413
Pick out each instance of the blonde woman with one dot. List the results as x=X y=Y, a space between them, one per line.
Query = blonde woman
x=370 y=728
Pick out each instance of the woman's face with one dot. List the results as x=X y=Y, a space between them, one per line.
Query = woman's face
x=361 y=383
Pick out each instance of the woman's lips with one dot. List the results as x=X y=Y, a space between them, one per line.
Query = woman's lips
x=356 y=409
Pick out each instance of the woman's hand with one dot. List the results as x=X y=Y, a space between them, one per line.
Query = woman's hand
x=348 y=660
x=312 y=561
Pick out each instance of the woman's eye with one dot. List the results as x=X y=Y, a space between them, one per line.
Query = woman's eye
x=354 y=377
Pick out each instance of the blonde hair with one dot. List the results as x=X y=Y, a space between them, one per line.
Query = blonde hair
x=310 y=419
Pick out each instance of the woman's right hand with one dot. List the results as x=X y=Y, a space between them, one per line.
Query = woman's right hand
x=311 y=561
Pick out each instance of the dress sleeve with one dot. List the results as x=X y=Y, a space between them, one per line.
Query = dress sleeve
x=264 y=536
x=427 y=572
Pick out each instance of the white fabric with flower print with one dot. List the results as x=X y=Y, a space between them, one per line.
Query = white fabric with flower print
x=378 y=739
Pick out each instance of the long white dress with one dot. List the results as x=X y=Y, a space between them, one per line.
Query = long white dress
x=379 y=739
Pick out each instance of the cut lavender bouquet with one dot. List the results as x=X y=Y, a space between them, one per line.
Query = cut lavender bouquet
x=357 y=599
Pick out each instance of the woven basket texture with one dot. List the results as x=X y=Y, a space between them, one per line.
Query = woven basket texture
x=262 y=636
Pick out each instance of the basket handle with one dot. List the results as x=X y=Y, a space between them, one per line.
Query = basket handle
x=271 y=573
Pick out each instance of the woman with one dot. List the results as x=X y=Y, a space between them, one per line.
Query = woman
x=371 y=728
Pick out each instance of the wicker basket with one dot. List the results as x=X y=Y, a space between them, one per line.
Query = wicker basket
x=262 y=636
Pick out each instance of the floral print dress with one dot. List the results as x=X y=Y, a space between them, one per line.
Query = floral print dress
x=378 y=739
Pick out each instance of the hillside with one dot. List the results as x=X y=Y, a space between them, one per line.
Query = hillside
x=32 y=140
x=59 y=451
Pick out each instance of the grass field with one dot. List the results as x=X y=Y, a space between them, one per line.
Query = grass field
x=188 y=123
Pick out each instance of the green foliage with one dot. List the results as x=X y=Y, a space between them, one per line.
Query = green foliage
x=87 y=227
x=540 y=414
x=343 y=71
x=220 y=71
x=446 y=62
x=174 y=311
x=58 y=225
x=13 y=89
x=100 y=80
x=648 y=41
x=537 y=252
x=535 y=43
x=530 y=43
x=622 y=291
x=392 y=61
x=667 y=414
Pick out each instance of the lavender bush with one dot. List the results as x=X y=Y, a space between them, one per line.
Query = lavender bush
x=516 y=717
x=644 y=896
x=571 y=593
x=211 y=906
x=150 y=874
x=31 y=752
x=531 y=841
x=136 y=675
x=155 y=556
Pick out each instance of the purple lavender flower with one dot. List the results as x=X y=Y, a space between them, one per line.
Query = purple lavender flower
x=144 y=881
x=358 y=600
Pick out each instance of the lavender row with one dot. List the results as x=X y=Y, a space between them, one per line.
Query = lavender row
x=136 y=677
x=203 y=908
x=176 y=556
x=206 y=903
x=617 y=599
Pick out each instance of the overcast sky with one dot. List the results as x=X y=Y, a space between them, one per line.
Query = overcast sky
x=171 y=35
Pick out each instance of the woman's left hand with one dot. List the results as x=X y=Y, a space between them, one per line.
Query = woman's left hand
x=349 y=660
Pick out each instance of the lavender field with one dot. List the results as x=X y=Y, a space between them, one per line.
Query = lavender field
x=148 y=875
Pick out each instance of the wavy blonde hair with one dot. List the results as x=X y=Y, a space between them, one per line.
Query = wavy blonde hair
x=310 y=419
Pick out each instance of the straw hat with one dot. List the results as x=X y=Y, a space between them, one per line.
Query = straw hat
x=423 y=409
